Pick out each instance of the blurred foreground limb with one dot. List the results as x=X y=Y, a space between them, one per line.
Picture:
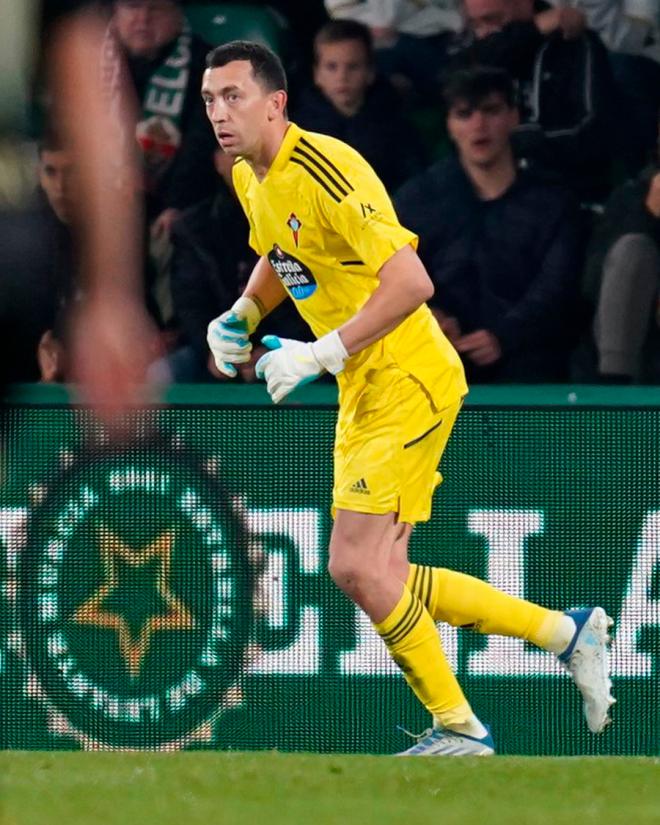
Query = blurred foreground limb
x=112 y=337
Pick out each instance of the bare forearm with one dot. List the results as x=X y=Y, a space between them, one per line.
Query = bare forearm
x=264 y=287
x=109 y=216
x=404 y=286
x=382 y=313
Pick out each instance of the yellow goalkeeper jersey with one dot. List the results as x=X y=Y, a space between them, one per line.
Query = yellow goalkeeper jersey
x=325 y=222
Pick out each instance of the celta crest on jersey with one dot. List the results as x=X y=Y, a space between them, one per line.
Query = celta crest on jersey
x=295 y=226
x=294 y=274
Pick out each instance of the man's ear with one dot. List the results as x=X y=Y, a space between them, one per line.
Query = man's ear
x=50 y=357
x=277 y=107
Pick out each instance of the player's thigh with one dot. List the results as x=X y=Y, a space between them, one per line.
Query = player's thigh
x=388 y=450
x=367 y=468
x=420 y=459
x=362 y=542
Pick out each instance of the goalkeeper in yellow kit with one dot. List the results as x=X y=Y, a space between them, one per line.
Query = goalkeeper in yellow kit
x=329 y=239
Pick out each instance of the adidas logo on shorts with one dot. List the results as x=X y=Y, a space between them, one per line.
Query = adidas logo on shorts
x=360 y=487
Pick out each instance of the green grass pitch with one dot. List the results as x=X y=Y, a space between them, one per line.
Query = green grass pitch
x=275 y=788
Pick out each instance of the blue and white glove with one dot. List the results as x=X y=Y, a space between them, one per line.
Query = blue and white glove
x=228 y=336
x=290 y=364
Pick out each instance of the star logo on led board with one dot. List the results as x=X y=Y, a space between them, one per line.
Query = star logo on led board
x=114 y=605
x=137 y=595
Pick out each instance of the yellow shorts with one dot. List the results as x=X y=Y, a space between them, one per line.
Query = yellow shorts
x=388 y=447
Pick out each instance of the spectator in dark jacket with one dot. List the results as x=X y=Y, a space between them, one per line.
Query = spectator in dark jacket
x=150 y=49
x=564 y=82
x=501 y=247
x=165 y=62
x=622 y=277
x=31 y=291
x=211 y=264
x=350 y=102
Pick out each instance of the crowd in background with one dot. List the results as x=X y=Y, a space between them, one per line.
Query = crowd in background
x=520 y=140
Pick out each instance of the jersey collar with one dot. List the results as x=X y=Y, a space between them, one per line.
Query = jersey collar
x=291 y=137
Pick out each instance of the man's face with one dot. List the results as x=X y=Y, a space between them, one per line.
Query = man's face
x=484 y=17
x=55 y=170
x=238 y=107
x=482 y=134
x=343 y=73
x=145 y=26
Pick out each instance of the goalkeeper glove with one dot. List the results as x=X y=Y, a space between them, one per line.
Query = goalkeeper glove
x=290 y=364
x=228 y=336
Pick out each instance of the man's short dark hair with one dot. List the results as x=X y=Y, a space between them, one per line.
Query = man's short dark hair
x=266 y=66
x=472 y=86
x=338 y=31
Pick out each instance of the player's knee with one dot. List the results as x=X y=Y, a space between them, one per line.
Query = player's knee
x=348 y=572
x=341 y=570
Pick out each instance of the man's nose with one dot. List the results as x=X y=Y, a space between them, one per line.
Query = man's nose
x=67 y=182
x=477 y=118
x=59 y=183
x=218 y=111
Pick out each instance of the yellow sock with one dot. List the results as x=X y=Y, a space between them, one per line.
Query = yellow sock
x=413 y=641
x=464 y=601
